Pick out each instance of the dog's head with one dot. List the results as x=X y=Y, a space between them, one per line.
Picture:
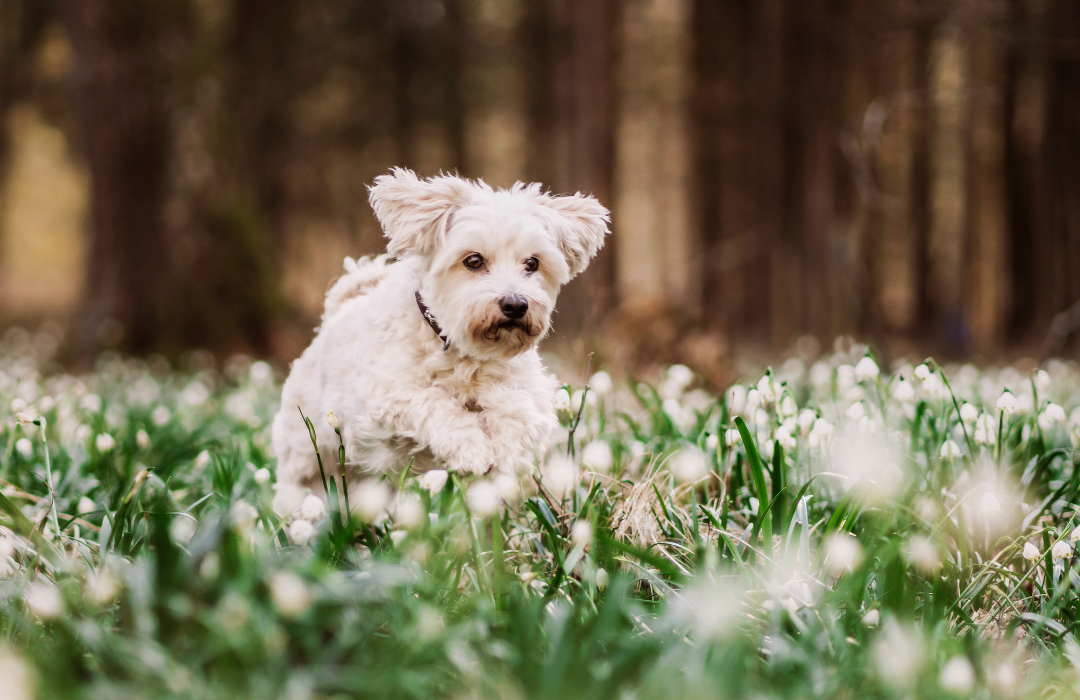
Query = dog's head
x=494 y=259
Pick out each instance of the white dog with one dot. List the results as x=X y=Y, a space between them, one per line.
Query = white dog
x=428 y=353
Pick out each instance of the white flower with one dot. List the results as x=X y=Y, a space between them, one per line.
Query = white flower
x=313 y=508
x=934 y=388
x=588 y=396
x=688 y=464
x=866 y=370
x=601 y=383
x=160 y=415
x=736 y=399
x=903 y=392
x=562 y=400
x=602 y=579
x=182 y=529
x=24 y=447
x=398 y=536
x=434 y=480
x=765 y=389
x=732 y=437
x=18 y=677
x=871 y=618
x=560 y=476
x=820 y=434
x=202 y=459
x=260 y=372
x=1007 y=403
x=949 y=450
x=990 y=504
x=842 y=553
x=104 y=442
x=820 y=375
x=785 y=438
x=301 y=532
x=102 y=587
x=86 y=505
x=922 y=372
x=483 y=498
x=681 y=375
x=581 y=534
x=1042 y=381
x=957 y=676
x=332 y=420
x=243 y=513
x=712 y=441
x=1031 y=552
x=44 y=600
x=409 y=512
x=372 y=499
x=899 y=654
x=262 y=476
x=287 y=500
x=855 y=411
x=509 y=487
x=637 y=448
x=1051 y=416
x=597 y=456
x=289 y=593
x=787 y=406
x=968 y=413
x=142 y=439
x=1062 y=550
x=91 y=403
x=806 y=420
x=924 y=555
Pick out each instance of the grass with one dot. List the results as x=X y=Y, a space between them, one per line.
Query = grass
x=822 y=531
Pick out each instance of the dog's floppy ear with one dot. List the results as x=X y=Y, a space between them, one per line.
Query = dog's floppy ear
x=414 y=212
x=579 y=223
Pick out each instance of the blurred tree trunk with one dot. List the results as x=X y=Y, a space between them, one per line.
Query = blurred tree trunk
x=949 y=179
x=989 y=286
x=657 y=272
x=119 y=79
x=1046 y=128
x=580 y=80
x=901 y=111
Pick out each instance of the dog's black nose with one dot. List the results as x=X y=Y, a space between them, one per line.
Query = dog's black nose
x=513 y=306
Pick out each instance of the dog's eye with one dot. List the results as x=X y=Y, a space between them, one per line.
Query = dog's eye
x=532 y=265
x=474 y=261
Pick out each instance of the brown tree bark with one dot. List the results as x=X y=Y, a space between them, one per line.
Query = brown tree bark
x=119 y=81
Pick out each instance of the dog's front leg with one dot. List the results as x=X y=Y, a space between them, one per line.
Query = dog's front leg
x=452 y=433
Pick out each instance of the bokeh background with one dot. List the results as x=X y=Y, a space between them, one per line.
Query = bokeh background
x=190 y=173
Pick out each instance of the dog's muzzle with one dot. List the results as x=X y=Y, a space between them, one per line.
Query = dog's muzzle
x=514 y=306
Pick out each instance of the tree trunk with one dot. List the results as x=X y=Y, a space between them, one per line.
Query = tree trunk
x=119 y=88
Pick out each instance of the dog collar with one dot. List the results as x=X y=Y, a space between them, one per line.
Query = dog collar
x=430 y=318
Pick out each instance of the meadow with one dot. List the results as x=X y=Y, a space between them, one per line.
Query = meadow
x=827 y=528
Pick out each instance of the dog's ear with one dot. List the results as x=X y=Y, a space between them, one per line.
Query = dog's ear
x=414 y=212
x=579 y=223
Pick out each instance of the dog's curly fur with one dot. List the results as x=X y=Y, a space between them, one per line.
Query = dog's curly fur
x=485 y=402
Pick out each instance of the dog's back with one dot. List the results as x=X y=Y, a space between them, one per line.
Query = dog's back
x=360 y=278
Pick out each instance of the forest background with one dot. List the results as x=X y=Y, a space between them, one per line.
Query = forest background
x=190 y=173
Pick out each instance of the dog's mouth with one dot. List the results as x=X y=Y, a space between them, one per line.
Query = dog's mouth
x=500 y=330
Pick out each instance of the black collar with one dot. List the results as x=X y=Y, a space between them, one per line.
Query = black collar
x=430 y=318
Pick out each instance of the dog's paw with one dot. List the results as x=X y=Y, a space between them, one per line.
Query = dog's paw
x=469 y=453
